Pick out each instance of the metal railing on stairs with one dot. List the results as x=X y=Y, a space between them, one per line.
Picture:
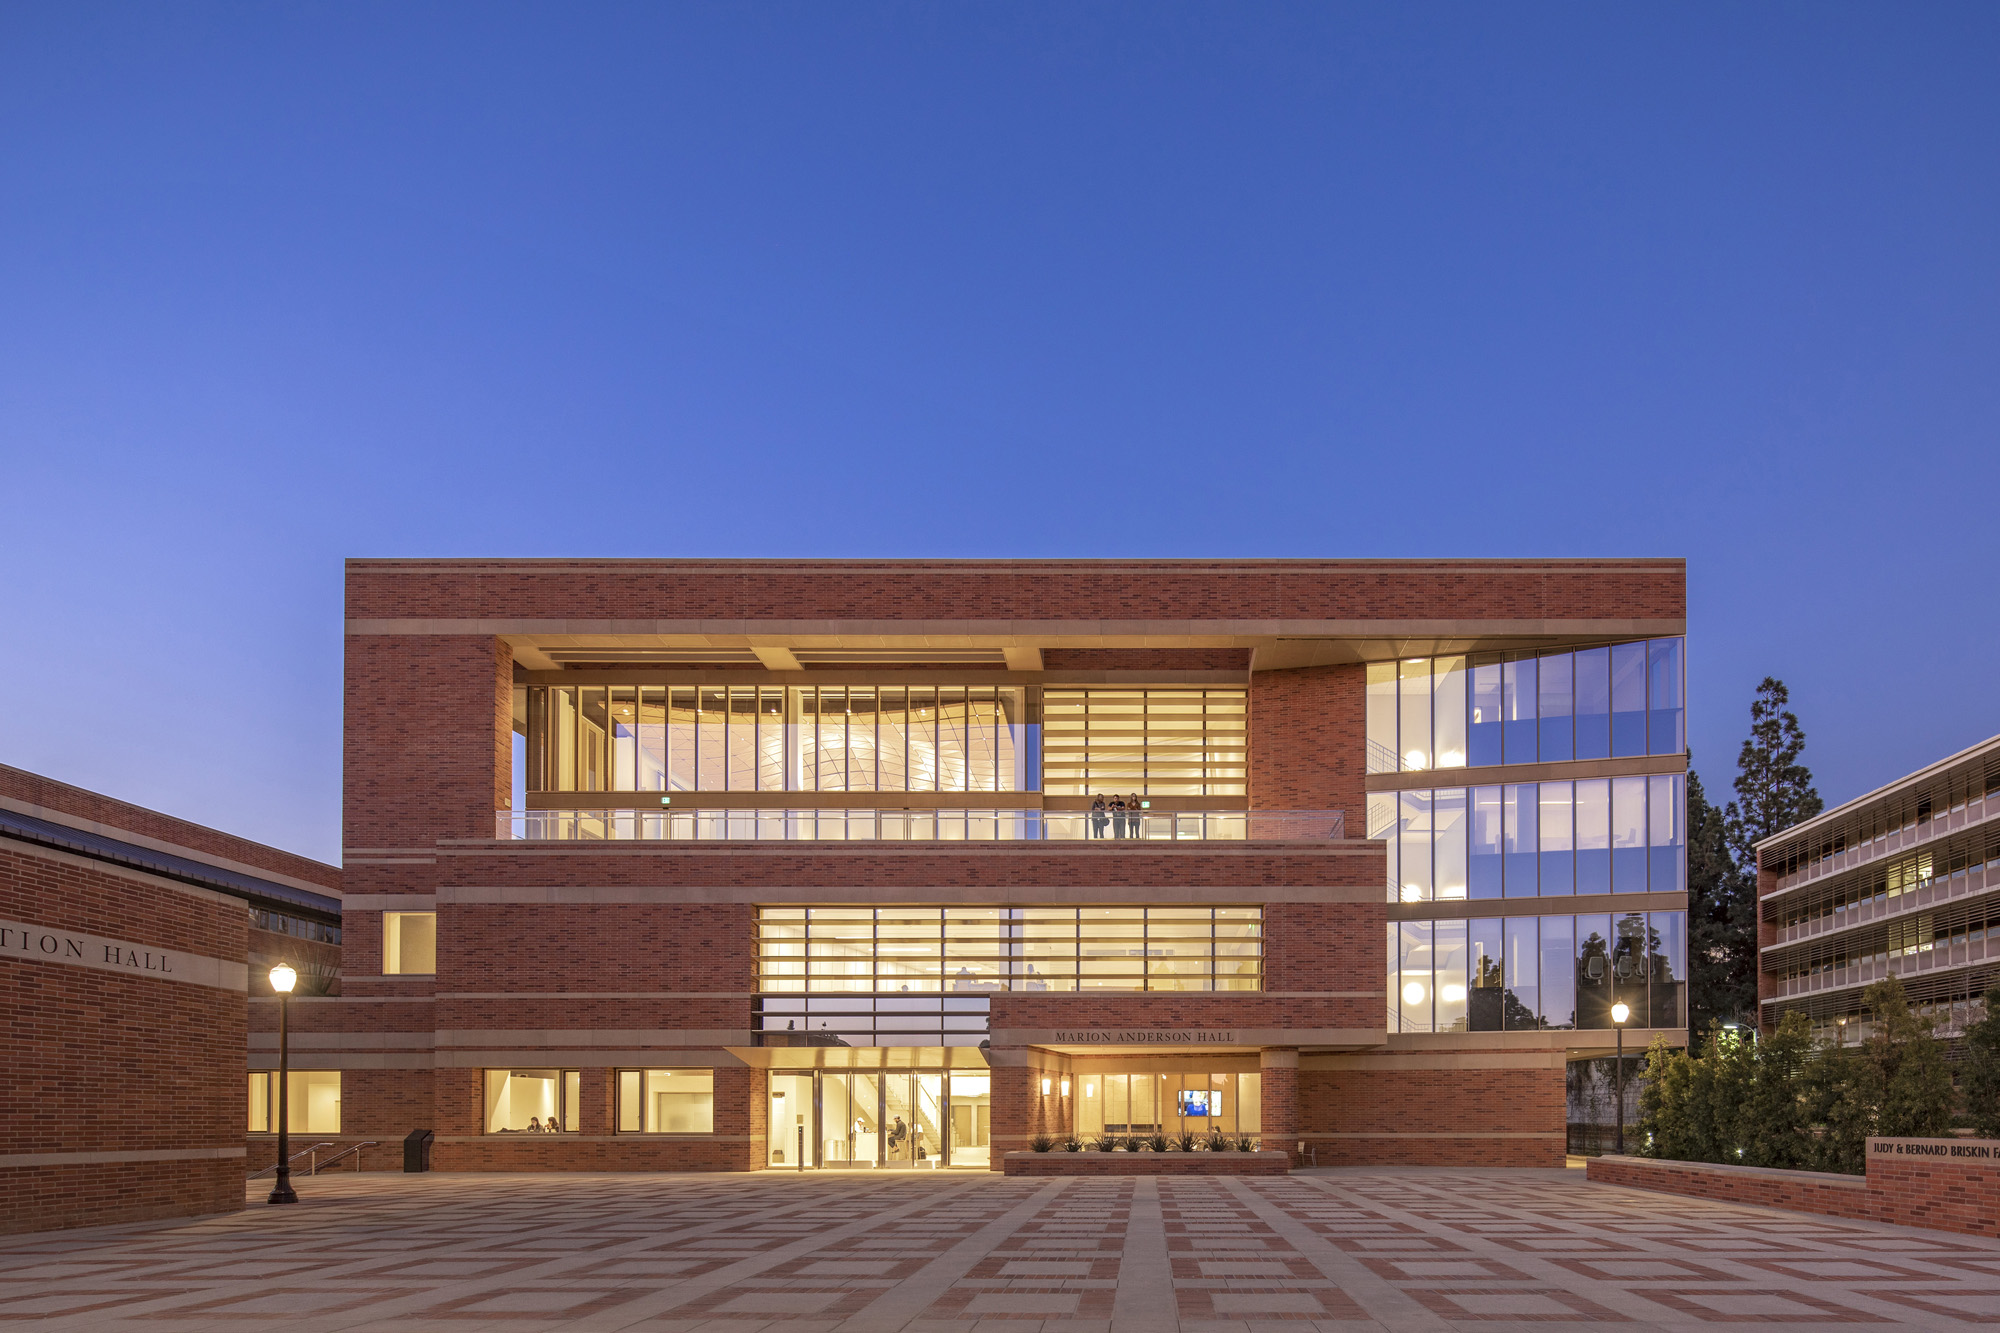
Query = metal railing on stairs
x=303 y=1152
x=353 y=1150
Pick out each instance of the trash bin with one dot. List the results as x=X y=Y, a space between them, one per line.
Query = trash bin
x=417 y=1150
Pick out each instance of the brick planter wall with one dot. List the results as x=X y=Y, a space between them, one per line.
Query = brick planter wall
x=1147 y=1164
x=1940 y=1193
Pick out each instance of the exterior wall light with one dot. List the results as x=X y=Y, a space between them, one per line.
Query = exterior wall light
x=1045 y=1087
x=1619 y=1013
x=1065 y=1087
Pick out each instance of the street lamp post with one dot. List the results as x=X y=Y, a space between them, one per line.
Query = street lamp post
x=1619 y=1013
x=283 y=978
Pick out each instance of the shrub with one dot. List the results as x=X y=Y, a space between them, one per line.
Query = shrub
x=1104 y=1143
x=1981 y=1077
x=1187 y=1141
x=1072 y=1144
x=1219 y=1141
x=1157 y=1142
x=1244 y=1143
x=1041 y=1143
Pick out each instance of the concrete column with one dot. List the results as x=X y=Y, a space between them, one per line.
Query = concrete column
x=1280 y=1071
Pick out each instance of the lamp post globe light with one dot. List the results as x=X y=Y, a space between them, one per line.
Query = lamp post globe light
x=1619 y=1013
x=283 y=978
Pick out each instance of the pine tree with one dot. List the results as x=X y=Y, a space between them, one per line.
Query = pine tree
x=1981 y=1077
x=1722 y=931
x=1773 y=789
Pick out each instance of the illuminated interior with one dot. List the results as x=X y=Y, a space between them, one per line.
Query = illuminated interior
x=312 y=1101
x=988 y=949
x=409 y=943
x=666 y=1101
x=532 y=1100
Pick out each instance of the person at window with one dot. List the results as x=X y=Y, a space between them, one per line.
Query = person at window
x=962 y=979
x=553 y=1127
x=1132 y=807
x=1098 y=817
x=534 y=1124
x=1118 y=816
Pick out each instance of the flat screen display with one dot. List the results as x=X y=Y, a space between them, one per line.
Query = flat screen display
x=1194 y=1103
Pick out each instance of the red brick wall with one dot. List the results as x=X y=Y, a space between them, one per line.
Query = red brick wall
x=106 y=1062
x=1953 y=1194
x=1308 y=741
x=544 y=947
x=1433 y=1117
x=1002 y=590
x=428 y=745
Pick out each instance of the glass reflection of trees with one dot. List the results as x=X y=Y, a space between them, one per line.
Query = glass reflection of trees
x=1496 y=974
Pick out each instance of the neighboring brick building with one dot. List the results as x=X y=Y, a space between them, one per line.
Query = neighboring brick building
x=1902 y=882
x=751 y=864
x=124 y=938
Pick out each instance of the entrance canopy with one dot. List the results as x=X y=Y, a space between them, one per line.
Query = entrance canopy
x=860 y=1057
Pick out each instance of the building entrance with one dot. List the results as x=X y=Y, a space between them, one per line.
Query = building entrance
x=888 y=1119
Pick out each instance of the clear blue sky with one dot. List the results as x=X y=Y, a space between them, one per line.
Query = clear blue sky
x=285 y=283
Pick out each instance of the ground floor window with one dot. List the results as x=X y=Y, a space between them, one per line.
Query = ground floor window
x=666 y=1101
x=1172 y=1103
x=532 y=1101
x=889 y=1118
x=312 y=1101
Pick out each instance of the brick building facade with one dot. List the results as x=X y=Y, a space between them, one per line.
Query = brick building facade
x=741 y=865
x=125 y=937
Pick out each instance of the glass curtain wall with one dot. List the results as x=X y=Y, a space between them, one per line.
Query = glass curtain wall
x=751 y=738
x=880 y=1118
x=1592 y=703
x=1534 y=839
x=1168 y=1103
x=1497 y=974
x=976 y=950
x=1152 y=742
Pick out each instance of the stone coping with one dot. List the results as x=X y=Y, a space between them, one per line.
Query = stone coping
x=1056 y=1162
x=1745 y=1172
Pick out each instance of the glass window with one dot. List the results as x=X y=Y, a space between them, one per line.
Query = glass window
x=312 y=1101
x=1593 y=703
x=1487 y=694
x=666 y=1101
x=1448 y=950
x=1593 y=836
x=1249 y=1103
x=1448 y=869
x=532 y=1101
x=1667 y=813
x=1414 y=992
x=1483 y=861
x=1152 y=742
x=1667 y=960
x=1448 y=711
x=1523 y=1007
x=1593 y=971
x=1628 y=966
x=1384 y=826
x=1517 y=687
x=1558 y=941
x=1414 y=713
x=1628 y=835
x=409 y=943
x=1414 y=861
x=1553 y=703
x=1558 y=868
x=1521 y=840
x=1382 y=717
x=1486 y=975
x=651 y=755
x=1628 y=699
x=1664 y=697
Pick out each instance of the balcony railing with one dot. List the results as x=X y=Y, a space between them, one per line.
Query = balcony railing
x=892 y=825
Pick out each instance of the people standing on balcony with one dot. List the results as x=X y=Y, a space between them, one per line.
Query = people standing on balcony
x=1133 y=805
x=1118 y=816
x=1098 y=817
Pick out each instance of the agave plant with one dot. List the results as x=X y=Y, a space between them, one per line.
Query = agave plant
x=1244 y=1143
x=1104 y=1143
x=1158 y=1142
x=1133 y=1143
x=1072 y=1144
x=1219 y=1141
x=1187 y=1141
x=1041 y=1143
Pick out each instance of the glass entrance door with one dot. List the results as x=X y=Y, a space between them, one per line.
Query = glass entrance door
x=971 y=1100
x=790 y=1122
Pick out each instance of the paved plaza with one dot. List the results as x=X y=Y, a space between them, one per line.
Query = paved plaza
x=1333 y=1249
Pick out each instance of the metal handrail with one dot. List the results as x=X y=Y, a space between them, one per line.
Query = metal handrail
x=897 y=824
x=303 y=1152
x=319 y=1166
